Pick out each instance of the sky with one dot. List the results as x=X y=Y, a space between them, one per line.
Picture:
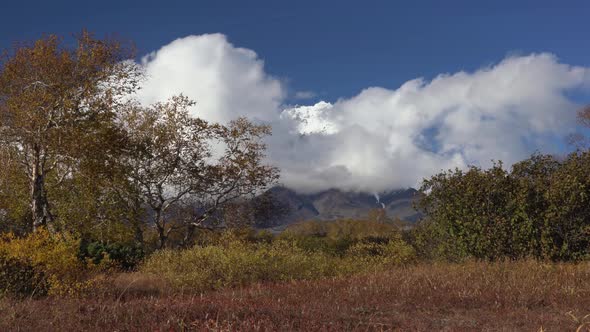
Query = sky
x=362 y=95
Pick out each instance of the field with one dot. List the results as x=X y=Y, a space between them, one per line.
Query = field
x=472 y=296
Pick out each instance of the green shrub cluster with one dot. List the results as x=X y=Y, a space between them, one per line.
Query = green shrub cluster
x=540 y=209
x=122 y=255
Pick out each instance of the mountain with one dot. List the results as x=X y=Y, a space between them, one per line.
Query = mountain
x=335 y=204
x=289 y=206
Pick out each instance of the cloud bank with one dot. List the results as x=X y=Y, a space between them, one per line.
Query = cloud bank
x=380 y=139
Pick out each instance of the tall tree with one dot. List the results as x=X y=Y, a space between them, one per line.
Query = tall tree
x=167 y=155
x=239 y=172
x=57 y=109
x=177 y=158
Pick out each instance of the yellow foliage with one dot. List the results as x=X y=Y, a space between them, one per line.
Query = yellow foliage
x=55 y=256
x=234 y=262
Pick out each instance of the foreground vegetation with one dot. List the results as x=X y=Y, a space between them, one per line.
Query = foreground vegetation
x=41 y=264
x=335 y=276
x=472 y=296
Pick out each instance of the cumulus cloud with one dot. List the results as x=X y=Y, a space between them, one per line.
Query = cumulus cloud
x=314 y=119
x=392 y=138
x=380 y=139
x=224 y=80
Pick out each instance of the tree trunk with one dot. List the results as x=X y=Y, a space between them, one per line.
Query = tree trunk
x=161 y=227
x=162 y=238
x=39 y=204
x=138 y=233
x=188 y=235
x=137 y=223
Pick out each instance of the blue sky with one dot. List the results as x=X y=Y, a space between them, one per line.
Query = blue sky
x=501 y=79
x=334 y=48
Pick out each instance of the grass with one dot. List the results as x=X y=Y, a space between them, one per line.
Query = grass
x=472 y=296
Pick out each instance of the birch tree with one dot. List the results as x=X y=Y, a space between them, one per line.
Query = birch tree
x=57 y=110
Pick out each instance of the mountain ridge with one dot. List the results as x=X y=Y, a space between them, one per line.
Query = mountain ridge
x=335 y=204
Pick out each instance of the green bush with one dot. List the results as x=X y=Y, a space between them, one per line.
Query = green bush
x=540 y=208
x=124 y=256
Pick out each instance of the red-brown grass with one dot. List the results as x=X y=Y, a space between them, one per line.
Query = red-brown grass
x=473 y=296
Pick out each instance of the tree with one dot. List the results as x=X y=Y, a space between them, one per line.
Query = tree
x=532 y=178
x=472 y=211
x=580 y=139
x=540 y=209
x=57 y=111
x=239 y=171
x=177 y=159
x=14 y=210
x=566 y=231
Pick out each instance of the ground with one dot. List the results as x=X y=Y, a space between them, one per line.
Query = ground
x=509 y=296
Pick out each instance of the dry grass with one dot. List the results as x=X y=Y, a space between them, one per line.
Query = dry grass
x=521 y=296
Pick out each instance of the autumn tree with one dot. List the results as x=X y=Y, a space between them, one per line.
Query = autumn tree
x=14 y=209
x=239 y=172
x=177 y=159
x=57 y=111
x=378 y=215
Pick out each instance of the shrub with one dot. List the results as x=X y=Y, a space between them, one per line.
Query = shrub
x=336 y=237
x=540 y=209
x=54 y=259
x=392 y=252
x=20 y=278
x=472 y=209
x=124 y=256
x=236 y=263
x=432 y=243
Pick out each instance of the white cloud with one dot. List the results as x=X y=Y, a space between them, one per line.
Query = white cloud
x=304 y=95
x=312 y=119
x=224 y=80
x=381 y=138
